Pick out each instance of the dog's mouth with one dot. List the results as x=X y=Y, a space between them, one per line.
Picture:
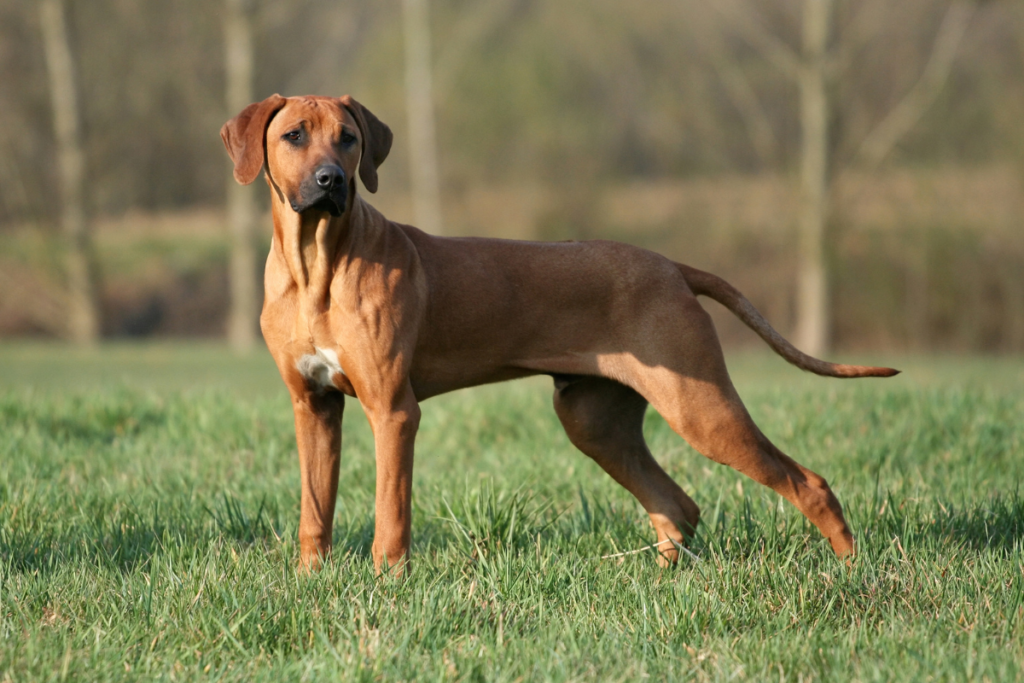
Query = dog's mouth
x=331 y=202
x=333 y=206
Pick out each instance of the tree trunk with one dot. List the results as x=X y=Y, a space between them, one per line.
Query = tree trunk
x=241 y=199
x=83 y=318
x=1013 y=298
x=917 y=317
x=419 y=100
x=813 y=320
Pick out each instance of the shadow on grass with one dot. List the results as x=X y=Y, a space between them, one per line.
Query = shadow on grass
x=992 y=525
x=354 y=538
x=479 y=523
x=126 y=538
x=84 y=421
x=484 y=523
x=995 y=524
x=124 y=548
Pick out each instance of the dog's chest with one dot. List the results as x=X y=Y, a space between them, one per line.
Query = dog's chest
x=322 y=370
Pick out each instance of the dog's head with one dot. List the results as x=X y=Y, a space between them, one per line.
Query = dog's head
x=312 y=147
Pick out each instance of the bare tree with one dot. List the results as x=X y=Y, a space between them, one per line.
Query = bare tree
x=83 y=318
x=476 y=24
x=811 y=68
x=1013 y=280
x=419 y=99
x=813 y=324
x=881 y=141
x=238 y=66
x=740 y=91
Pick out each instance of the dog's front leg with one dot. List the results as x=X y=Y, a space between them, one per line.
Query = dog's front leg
x=394 y=422
x=318 y=435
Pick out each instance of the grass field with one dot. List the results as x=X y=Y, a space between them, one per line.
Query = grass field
x=149 y=505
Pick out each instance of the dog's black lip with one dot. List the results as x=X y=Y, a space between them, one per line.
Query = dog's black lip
x=330 y=205
x=327 y=202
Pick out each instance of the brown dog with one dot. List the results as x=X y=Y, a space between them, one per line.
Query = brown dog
x=358 y=305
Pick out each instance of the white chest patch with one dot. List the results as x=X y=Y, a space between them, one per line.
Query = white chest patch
x=320 y=367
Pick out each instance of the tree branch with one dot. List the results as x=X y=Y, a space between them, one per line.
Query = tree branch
x=880 y=142
x=782 y=56
x=741 y=93
x=854 y=36
x=469 y=33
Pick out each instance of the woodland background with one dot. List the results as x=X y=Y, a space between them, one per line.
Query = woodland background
x=676 y=125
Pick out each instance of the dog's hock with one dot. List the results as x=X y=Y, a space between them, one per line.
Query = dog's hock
x=318 y=369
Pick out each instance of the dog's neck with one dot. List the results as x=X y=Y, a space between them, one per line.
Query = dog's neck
x=315 y=244
x=312 y=243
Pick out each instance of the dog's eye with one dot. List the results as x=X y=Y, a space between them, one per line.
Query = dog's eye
x=293 y=135
x=347 y=138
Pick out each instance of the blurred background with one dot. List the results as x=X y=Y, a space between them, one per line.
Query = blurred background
x=855 y=167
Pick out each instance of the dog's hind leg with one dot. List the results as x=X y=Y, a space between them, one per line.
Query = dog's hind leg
x=604 y=419
x=685 y=379
x=722 y=430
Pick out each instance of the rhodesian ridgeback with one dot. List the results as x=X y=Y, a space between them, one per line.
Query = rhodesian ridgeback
x=358 y=305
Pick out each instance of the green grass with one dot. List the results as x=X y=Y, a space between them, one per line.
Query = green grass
x=149 y=506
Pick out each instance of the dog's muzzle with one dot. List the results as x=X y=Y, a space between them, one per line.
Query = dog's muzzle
x=325 y=190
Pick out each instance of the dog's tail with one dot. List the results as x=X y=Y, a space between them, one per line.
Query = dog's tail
x=714 y=287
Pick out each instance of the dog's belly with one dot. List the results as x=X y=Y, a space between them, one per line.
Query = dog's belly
x=428 y=382
x=436 y=374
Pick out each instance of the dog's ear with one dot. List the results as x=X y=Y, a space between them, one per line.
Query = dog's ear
x=377 y=139
x=245 y=137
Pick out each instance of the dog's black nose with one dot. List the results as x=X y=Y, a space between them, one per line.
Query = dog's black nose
x=329 y=176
